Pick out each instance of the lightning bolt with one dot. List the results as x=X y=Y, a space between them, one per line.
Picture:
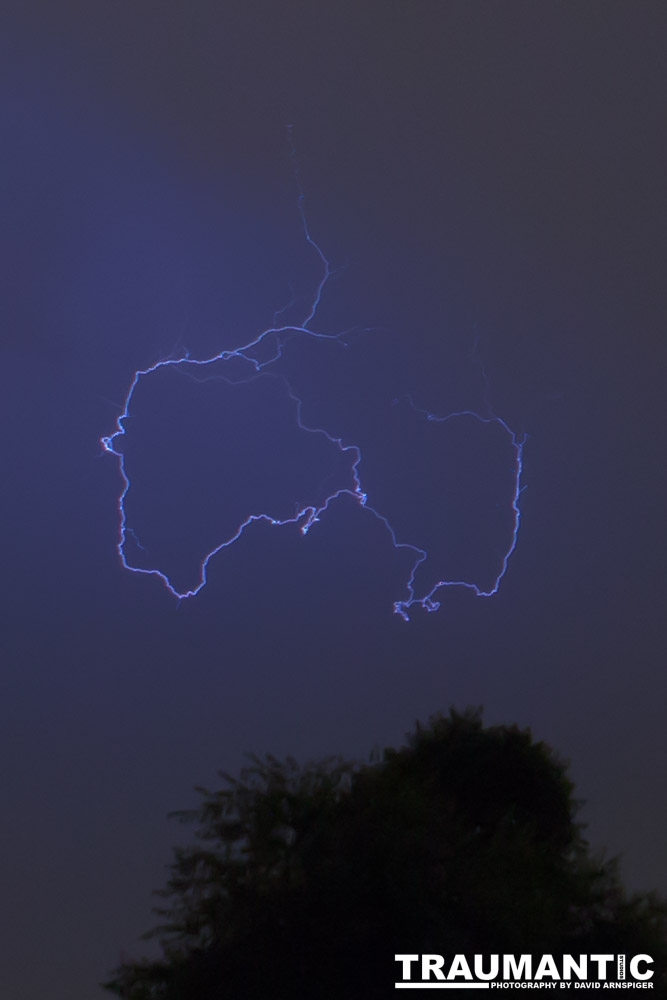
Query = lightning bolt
x=276 y=336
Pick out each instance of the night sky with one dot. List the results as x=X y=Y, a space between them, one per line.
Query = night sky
x=488 y=183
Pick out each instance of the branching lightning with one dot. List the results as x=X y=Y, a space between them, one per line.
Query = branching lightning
x=306 y=516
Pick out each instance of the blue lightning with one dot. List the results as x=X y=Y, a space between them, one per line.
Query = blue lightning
x=306 y=516
x=428 y=601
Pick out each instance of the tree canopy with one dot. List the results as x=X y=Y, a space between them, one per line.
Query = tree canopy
x=304 y=882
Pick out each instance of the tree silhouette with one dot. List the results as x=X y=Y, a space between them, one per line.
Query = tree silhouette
x=306 y=881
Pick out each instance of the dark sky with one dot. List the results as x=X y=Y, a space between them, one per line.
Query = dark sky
x=478 y=173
